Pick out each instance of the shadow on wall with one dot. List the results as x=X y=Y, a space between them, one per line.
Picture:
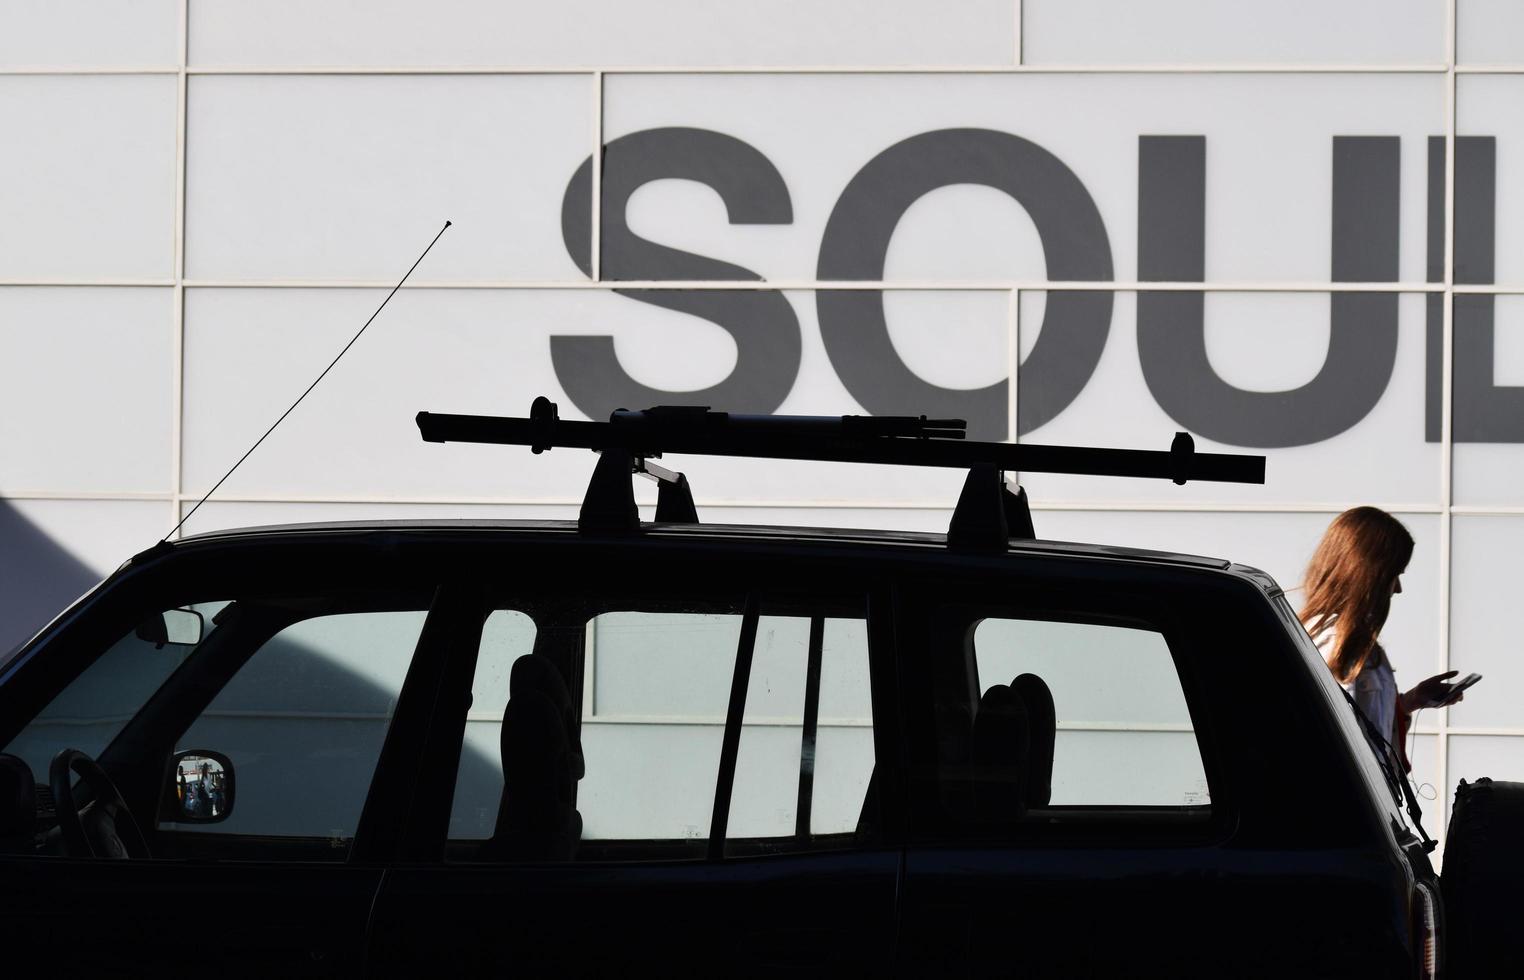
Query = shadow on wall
x=38 y=578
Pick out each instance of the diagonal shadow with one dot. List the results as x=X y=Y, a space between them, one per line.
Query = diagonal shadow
x=38 y=578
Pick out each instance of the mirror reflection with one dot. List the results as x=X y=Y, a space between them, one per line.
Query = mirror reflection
x=202 y=788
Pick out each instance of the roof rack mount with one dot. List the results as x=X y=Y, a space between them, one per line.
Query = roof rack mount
x=629 y=439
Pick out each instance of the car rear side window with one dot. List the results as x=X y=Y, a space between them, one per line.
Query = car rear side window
x=600 y=734
x=595 y=735
x=660 y=686
x=1109 y=699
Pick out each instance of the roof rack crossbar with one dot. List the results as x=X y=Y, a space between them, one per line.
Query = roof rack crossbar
x=990 y=512
x=845 y=439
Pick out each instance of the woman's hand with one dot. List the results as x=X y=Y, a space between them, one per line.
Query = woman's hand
x=1431 y=693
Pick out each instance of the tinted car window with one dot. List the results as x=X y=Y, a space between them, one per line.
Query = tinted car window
x=595 y=736
x=1122 y=732
x=507 y=635
x=806 y=748
x=652 y=738
x=89 y=712
x=598 y=735
x=303 y=722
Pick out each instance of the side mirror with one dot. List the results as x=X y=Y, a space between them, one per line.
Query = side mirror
x=201 y=788
x=182 y=627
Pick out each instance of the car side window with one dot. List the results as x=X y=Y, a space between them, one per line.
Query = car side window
x=805 y=762
x=595 y=737
x=96 y=705
x=302 y=722
x=598 y=734
x=1122 y=734
x=1063 y=725
x=507 y=635
x=651 y=731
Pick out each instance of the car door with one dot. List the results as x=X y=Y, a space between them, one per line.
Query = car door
x=1126 y=770
x=296 y=694
x=730 y=773
x=1068 y=813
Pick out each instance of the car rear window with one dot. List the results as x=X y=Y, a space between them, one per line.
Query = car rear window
x=1122 y=734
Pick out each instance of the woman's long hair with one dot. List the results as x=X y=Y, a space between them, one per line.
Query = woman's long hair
x=1348 y=584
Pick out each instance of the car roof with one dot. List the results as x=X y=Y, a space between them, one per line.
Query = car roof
x=909 y=540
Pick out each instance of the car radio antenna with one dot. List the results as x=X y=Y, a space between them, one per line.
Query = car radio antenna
x=309 y=388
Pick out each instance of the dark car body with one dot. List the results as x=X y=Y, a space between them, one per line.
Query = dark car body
x=1294 y=857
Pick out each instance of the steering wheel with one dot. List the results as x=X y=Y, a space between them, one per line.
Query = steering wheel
x=107 y=828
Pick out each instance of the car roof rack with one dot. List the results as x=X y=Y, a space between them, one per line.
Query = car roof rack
x=990 y=511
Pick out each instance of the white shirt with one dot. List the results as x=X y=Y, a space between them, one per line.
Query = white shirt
x=1374 y=688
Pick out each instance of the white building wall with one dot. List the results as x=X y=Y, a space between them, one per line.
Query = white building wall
x=202 y=200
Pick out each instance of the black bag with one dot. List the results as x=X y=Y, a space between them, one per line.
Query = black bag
x=1482 y=879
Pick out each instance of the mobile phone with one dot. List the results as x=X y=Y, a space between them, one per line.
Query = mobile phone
x=1460 y=685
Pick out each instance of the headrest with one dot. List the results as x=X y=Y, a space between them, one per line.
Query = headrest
x=536 y=673
x=1001 y=745
x=18 y=798
x=1036 y=695
x=537 y=787
x=1043 y=725
x=533 y=672
x=1002 y=722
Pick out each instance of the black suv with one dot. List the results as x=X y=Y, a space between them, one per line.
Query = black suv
x=608 y=745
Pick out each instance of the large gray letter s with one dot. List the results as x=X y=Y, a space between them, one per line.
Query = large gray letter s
x=762 y=323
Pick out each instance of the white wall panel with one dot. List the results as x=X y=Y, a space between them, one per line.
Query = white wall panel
x=86 y=392
x=1490 y=32
x=1182 y=32
x=589 y=32
x=1499 y=757
x=87 y=179
x=1492 y=473
x=318 y=177
x=89 y=33
x=1484 y=636
x=249 y=353
x=1258 y=342
x=1269 y=152
x=1280 y=544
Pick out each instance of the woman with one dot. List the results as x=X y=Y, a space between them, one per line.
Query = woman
x=1348 y=589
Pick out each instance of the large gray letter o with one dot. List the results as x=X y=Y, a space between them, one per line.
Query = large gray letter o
x=856 y=244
